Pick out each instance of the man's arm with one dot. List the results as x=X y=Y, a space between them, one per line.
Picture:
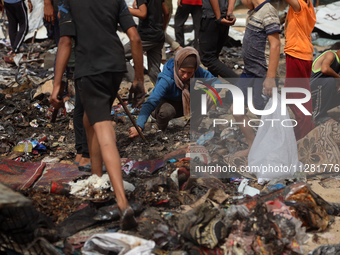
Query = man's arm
x=274 y=56
x=63 y=55
x=294 y=4
x=166 y=15
x=140 y=12
x=326 y=65
x=30 y=6
x=137 y=89
x=217 y=11
x=48 y=11
x=230 y=16
x=216 y=8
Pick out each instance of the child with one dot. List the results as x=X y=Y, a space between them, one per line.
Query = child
x=262 y=23
x=300 y=22
x=16 y=12
x=98 y=79
x=153 y=18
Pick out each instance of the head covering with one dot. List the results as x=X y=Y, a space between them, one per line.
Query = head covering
x=185 y=57
x=189 y=61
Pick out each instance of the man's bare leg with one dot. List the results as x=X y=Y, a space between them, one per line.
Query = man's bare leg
x=106 y=139
x=248 y=133
x=94 y=148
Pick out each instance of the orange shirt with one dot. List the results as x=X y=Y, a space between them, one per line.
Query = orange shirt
x=299 y=26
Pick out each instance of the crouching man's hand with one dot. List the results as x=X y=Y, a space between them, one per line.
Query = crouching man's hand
x=133 y=132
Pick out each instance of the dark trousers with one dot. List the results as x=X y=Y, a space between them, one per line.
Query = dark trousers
x=181 y=17
x=79 y=130
x=325 y=96
x=250 y=80
x=213 y=37
x=53 y=31
x=154 y=56
x=166 y=111
x=17 y=15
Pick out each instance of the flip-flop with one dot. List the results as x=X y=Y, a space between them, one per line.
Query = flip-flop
x=87 y=168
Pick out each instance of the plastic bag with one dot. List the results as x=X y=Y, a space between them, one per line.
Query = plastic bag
x=119 y=243
x=274 y=151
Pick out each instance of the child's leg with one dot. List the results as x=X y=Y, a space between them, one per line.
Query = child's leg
x=22 y=20
x=94 y=148
x=245 y=81
x=106 y=138
x=12 y=22
x=295 y=69
x=248 y=133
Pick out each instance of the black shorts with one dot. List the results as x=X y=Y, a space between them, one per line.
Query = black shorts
x=97 y=93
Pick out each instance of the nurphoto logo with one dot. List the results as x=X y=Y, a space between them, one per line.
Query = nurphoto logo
x=238 y=100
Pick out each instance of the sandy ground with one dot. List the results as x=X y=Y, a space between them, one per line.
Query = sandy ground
x=332 y=234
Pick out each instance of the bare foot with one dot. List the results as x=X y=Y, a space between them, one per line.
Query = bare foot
x=243 y=153
x=77 y=159
x=84 y=161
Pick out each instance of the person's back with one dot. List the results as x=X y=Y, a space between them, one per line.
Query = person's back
x=151 y=28
x=325 y=84
x=98 y=47
x=317 y=64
